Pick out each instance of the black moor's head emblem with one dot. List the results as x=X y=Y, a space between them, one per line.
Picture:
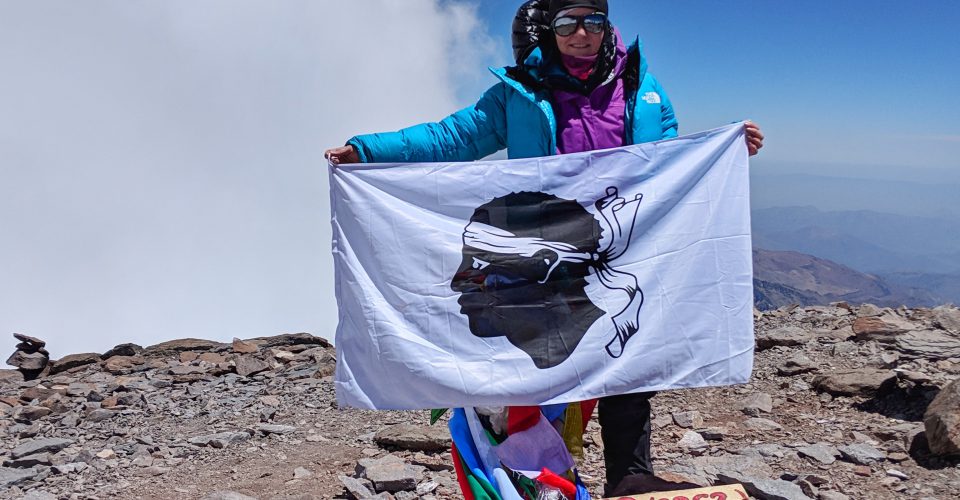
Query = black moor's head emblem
x=526 y=257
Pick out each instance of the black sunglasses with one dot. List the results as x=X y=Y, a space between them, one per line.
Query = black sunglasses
x=592 y=23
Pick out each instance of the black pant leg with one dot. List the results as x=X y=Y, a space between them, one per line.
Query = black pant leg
x=625 y=429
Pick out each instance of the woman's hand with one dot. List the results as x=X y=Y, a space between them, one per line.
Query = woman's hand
x=754 y=137
x=343 y=154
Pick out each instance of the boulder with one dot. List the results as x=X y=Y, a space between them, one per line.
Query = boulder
x=281 y=355
x=45 y=445
x=30 y=344
x=688 y=419
x=941 y=421
x=914 y=377
x=877 y=328
x=856 y=382
x=30 y=413
x=291 y=339
x=302 y=473
x=123 y=350
x=33 y=362
x=867 y=310
x=389 y=473
x=929 y=345
x=705 y=470
x=946 y=318
x=692 y=442
x=762 y=424
x=69 y=468
x=795 y=365
x=249 y=365
x=862 y=454
x=175 y=347
x=769 y=489
x=123 y=364
x=242 y=347
x=276 y=429
x=186 y=370
x=220 y=439
x=12 y=477
x=915 y=441
x=74 y=360
x=757 y=404
x=326 y=364
x=28 y=461
x=713 y=433
x=212 y=357
x=821 y=452
x=432 y=438
x=785 y=336
x=766 y=451
x=359 y=488
x=10 y=377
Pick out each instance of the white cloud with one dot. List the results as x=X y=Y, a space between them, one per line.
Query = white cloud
x=161 y=171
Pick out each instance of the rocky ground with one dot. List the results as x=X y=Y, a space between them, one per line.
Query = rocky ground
x=845 y=402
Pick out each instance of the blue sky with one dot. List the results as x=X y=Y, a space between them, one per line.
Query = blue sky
x=161 y=169
x=852 y=82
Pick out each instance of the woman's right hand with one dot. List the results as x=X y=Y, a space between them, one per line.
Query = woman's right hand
x=343 y=154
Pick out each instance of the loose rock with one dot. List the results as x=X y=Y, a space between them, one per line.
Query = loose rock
x=861 y=382
x=415 y=438
x=73 y=361
x=786 y=336
x=220 y=439
x=45 y=445
x=227 y=495
x=942 y=421
x=795 y=365
x=821 y=452
x=688 y=419
x=389 y=473
x=249 y=365
x=757 y=404
x=862 y=453
x=762 y=424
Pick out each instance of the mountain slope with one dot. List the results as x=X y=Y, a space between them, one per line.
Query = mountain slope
x=872 y=241
x=785 y=277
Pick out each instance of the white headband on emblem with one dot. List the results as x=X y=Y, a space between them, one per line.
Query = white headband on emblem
x=495 y=240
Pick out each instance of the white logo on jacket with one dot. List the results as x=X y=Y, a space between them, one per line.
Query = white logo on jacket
x=651 y=98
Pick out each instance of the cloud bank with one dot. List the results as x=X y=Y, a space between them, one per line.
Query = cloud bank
x=161 y=170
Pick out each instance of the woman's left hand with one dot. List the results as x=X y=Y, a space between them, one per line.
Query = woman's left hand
x=754 y=137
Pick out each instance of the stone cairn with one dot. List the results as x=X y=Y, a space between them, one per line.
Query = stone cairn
x=30 y=357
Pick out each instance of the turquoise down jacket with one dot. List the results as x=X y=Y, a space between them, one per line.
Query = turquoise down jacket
x=511 y=115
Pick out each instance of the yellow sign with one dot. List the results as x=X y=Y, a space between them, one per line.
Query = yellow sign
x=724 y=492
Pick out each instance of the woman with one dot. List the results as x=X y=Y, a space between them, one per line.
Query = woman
x=576 y=88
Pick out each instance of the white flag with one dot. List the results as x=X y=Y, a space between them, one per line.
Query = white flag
x=544 y=280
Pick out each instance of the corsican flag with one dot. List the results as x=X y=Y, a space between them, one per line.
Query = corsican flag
x=544 y=280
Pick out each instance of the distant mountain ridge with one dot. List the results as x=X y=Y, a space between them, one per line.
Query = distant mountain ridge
x=786 y=277
x=917 y=255
x=870 y=241
x=930 y=193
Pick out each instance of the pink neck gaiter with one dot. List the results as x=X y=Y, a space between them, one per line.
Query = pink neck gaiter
x=579 y=67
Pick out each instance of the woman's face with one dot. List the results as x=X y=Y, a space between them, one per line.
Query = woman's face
x=580 y=43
